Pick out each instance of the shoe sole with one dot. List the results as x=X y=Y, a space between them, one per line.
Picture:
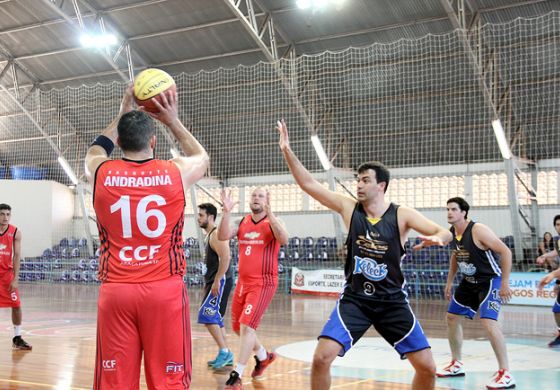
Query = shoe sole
x=450 y=375
x=215 y=367
x=499 y=388
x=22 y=349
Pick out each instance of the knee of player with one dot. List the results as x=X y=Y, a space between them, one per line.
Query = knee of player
x=452 y=319
x=490 y=325
x=322 y=359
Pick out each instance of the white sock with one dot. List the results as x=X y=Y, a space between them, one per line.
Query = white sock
x=225 y=350
x=261 y=354
x=17 y=330
x=240 y=368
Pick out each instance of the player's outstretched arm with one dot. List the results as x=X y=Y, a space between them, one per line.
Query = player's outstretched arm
x=102 y=147
x=226 y=229
x=489 y=240
x=545 y=256
x=278 y=228
x=194 y=166
x=431 y=233
x=342 y=204
x=549 y=278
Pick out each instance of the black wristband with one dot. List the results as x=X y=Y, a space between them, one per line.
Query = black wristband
x=105 y=143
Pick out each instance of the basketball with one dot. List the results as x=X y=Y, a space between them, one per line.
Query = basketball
x=150 y=83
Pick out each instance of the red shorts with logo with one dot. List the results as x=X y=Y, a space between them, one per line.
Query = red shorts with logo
x=8 y=298
x=150 y=317
x=249 y=304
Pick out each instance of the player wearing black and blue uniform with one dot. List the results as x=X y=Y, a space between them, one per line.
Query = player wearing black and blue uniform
x=218 y=282
x=374 y=292
x=483 y=288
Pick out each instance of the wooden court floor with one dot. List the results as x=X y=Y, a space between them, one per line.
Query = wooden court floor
x=59 y=321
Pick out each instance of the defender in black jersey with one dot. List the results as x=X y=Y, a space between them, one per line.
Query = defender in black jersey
x=483 y=288
x=374 y=293
x=217 y=285
x=552 y=258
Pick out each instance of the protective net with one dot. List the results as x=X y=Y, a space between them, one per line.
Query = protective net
x=416 y=105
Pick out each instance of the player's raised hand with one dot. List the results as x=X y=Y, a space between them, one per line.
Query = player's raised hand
x=284 y=141
x=167 y=111
x=227 y=202
x=127 y=102
x=267 y=208
x=427 y=241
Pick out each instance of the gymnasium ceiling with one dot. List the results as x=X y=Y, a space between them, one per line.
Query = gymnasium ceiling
x=41 y=37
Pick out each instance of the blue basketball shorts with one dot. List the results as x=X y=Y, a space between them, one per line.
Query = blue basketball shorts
x=472 y=297
x=213 y=308
x=393 y=320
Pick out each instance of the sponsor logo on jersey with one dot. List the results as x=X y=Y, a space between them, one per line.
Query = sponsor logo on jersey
x=299 y=279
x=372 y=245
x=137 y=181
x=493 y=305
x=209 y=312
x=467 y=268
x=252 y=235
x=174 y=368
x=109 y=365
x=3 y=246
x=369 y=268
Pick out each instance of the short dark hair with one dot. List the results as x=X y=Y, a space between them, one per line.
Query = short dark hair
x=209 y=208
x=4 y=206
x=381 y=172
x=135 y=129
x=556 y=218
x=463 y=205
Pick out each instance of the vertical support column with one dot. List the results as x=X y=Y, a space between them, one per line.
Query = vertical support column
x=85 y=217
x=536 y=221
x=514 y=209
x=337 y=219
x=469 y=188
x=199 y=236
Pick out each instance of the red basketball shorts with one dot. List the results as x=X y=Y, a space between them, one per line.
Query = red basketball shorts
x=152 y=318
x=249 y=304
x=8 y=298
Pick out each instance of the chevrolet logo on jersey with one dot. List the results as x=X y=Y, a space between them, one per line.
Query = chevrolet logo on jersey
x=252 y=235
x=2 y=247
x=369 y=268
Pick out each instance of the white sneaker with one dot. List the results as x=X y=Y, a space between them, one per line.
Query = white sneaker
x=501 y=380
x=455 y=368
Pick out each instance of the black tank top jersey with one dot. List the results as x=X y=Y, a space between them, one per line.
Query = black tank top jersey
x=373 y=264
x=213 y=262
x=475 y=264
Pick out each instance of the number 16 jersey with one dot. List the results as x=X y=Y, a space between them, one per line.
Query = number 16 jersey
x=140 y=214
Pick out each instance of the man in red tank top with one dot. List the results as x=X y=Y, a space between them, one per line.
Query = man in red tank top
x=259 y=235
x=139 y=203
x=10 y=255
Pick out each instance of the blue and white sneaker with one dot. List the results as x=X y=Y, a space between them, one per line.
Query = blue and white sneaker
x=223 y=359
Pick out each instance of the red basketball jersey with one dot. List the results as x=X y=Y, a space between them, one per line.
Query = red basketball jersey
x=7 y=248
x=258 y=252
x=139 y=207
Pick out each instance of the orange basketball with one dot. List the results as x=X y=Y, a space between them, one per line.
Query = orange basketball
x=150 y=83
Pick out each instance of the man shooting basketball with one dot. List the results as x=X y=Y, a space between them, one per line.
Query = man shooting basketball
x=139 y=203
